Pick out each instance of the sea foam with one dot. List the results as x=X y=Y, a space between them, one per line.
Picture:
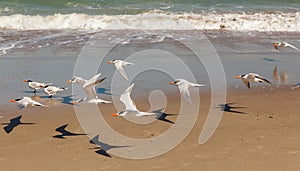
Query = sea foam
x=157 y=20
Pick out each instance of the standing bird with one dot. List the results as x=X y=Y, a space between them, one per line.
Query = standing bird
x=130 y=107
x=89 y=88
x=52 y=90
x=25 y=101
x=119 y=66
x=183 y=86
x=284 y=44
x=35 y=85
x=252 y=77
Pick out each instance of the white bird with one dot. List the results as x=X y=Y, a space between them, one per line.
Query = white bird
x=119 y=66
x=35 y=85
x=25 y=101
x=284 y=44
x=89 y=88
x=130 y=107
x=252 y=77
x=183 y=86
x=52 y=90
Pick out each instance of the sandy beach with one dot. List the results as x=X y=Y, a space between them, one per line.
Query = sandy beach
x=260 y=135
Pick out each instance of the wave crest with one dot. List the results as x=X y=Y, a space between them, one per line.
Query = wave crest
x=157 y=20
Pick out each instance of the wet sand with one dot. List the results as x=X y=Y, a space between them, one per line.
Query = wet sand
x=263 y=134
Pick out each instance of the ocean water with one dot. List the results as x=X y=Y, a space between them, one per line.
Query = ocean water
x=121 y=7
x=259 y=15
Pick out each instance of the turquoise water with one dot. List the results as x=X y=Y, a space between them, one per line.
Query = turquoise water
x=117 y=7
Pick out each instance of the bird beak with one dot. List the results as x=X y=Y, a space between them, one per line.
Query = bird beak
x=115 y=114
x=171 y=83
x=69 y=81
x=12 y=101
x=238 y=76
x=109 y=62
x=275 y=45
x=25 y=81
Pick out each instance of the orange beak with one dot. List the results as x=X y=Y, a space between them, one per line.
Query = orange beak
x=109 y=62
x=25 y=81
x=69 y=81
x=12 y=101
x=171 y=83
x=238 y=76
x=115 y=114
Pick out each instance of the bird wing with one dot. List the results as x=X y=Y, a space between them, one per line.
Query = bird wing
x=196 y=85
x=119 y=67
x=22 y=104
x=247 y=83
x=262 y=78
x=90 y=91
x=126 y=63
x=292 y=46
x=145 y=114
x=100 y=81
x=96 y=101
x=184 y=91
x=126 y=99
x=92 y=80
x=275 y=73
x=35 y=103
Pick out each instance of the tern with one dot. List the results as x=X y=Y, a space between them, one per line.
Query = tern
x=183 y=86
x=130 y=107
x=52 y=90
x=252 y=77
x=25 y=101
x=89 y=89
x=119 y=66
x=35 y=85
x=284 y=44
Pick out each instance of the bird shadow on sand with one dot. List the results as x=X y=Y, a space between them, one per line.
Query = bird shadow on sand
x=67 y=99
x=162 y=116
x=103 y=147
x=106 y=91
x=47 y=97
x=271 y=60
x=65 y=133
x=29 y=92
x=14 y=122
x=229 y=108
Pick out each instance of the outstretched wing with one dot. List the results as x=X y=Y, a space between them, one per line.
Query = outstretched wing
x=90 y=92
x=35 y=103
x=22 y=104
x=92 y=80
x=126 y=99
x=262 y=78
x=275 y=73
x=247 y=83
x=119 y=67
x=292 y=46
x=145 y=114
x=184 y=91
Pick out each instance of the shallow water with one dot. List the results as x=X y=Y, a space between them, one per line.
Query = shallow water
x=51 y=56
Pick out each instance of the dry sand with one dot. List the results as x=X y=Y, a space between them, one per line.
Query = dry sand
x=263 y=136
